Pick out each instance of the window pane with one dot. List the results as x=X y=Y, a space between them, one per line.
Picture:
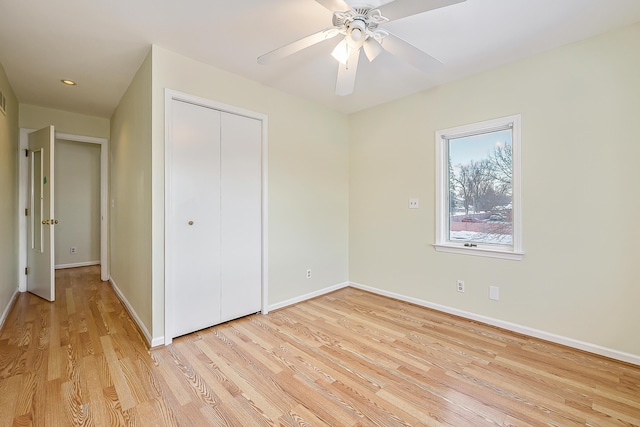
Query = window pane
x=36 y=202
x=480 y=188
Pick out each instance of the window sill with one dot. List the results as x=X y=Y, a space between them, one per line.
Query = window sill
x=490 y=253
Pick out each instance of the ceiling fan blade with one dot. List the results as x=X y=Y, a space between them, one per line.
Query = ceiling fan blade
x=411 y=54
x=347 y=74
x=402 y=8
x=298 y=45
x=335 y=5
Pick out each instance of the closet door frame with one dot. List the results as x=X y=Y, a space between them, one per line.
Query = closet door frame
x=171 y=96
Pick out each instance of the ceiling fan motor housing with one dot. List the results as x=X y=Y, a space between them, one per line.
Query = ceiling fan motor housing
x=359 y=24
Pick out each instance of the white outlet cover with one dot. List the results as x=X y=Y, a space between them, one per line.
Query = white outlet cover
x=494 y=293
x=414 y=203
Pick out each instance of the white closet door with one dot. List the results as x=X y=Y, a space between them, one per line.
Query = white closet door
x=241 y=200
x=194 y=217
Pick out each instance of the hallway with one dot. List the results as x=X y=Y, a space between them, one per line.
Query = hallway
x=58 y=358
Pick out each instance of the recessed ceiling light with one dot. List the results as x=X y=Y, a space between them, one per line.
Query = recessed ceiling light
x=68 y=82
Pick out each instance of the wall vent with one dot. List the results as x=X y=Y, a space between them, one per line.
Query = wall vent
x=3 y=103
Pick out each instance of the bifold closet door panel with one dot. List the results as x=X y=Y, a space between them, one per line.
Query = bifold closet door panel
x=194 y=221
x=241 y=200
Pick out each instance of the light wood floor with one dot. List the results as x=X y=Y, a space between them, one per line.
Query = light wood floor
x=345 y=359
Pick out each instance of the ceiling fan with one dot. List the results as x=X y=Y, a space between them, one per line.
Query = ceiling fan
x=360 y=26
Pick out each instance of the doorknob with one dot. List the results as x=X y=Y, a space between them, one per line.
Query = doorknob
x=45 y=221
x=190 y=222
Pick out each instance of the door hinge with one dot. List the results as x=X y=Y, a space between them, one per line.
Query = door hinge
x=26 y=211
x=26 y=270
x=26 y=152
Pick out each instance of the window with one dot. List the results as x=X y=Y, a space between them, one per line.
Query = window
x=478 y=201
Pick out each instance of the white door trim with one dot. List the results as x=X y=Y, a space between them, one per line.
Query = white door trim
x=173 y=95
x=23 y=171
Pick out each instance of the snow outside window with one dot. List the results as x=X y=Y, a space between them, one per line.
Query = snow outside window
x=478 y=200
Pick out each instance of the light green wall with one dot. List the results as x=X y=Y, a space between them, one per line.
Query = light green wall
x=77 y=202
x=130 y=236
x=9 y=143
x=580 y=106
x=308 y=178
x=34 y=117
x=308 y=184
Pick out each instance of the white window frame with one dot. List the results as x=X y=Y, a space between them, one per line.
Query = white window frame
x=443 y=244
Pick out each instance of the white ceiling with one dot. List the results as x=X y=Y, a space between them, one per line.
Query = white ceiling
x=101 y=43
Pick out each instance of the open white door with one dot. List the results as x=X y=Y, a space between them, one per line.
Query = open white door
x=40 y=216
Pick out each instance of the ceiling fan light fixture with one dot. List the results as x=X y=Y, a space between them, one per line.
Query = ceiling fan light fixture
x=342 y=51
x=356 y=34
x=372 y=48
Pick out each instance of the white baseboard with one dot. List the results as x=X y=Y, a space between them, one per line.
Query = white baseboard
x=77 y=264
x=157 y=342
x=133 y=314
x=308 y=296
x=525 y=330
x=7 y=309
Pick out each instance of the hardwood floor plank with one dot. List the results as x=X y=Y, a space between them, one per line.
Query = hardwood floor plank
x=542 y=399
x=374 y=410
x=91 y=383
x=76 y=412
x=251 y=344
x=615 y=409
x=301 y=416
x=116 y=415
x=156 y=412
x=9 y=391
x=425 y=417
x=48 y=409
x=250 y=388
x=196 y=384
x=174 y=383
x=71 y=306
x=318 y=400
x=27 y=392
x=121 y=387
x=193 y=416
x=349 y=358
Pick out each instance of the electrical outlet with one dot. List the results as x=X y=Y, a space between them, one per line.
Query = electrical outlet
x=494 y=293
x=73 y=249
x=309 y=274
x=460 y=285
x=414 y=203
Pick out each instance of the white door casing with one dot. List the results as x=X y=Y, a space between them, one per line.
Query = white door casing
x=242 y=182
x=41 y=219
x=103 y=143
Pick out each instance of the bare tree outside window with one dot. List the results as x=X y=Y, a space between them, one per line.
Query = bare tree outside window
x=480 y=188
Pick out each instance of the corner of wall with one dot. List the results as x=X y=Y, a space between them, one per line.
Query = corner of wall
x=9 y=207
